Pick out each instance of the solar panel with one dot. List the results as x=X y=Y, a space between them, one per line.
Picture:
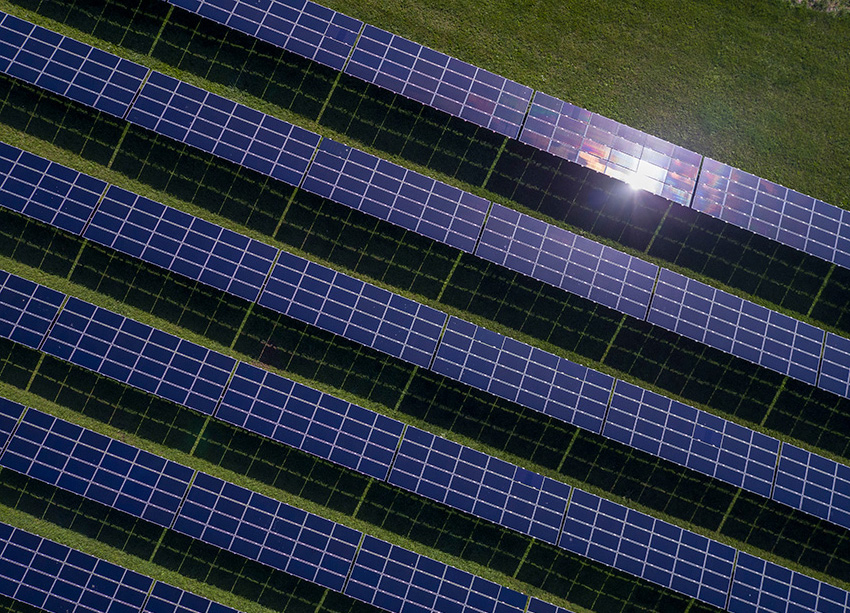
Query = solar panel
x=614 y=149
x=814 y=484
x=393 y=193
x=480 y=484
x=764 y=586
x=47 y=191
x=137 y=354
x=307 y=419
x=166 y=598
x=26 y=309
x=774 y=211
x=695 y=439
x=68 y=67
x=304 y=28
x=182 y=243
x=438 y=80
x=535 y=605
x=10 y=413
x=63 y=454
x=524 y=374
x=835 y=367
x=566 y=260
x=224 y=128
x=358 y=311
x=396 y=579
x=56 y=578
x=648 y=548
x=740 y=327
x=268 y=531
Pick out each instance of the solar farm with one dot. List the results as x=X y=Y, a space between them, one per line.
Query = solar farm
x=300 y=314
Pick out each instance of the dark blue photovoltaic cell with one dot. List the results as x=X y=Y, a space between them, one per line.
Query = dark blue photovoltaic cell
x=304 y=28
x=358 y=311
x=397 y=579
x=224 y=128
x=535 y=605
x=393 y=193
x=695 y=439
x=566 y=260
x=10 y=413
x=68 y=67
x=835 y=367
x=144 y=357
x=169 y=599
x=524 y=374
x=607 y=146
x=26 y=309
x=648 y=548
x=761 y=586
x=740 y=327
x=56 y=578
x=438 y=80
x=181 y=243
x=814 y=484
x=307 y=419
x=480 y=484
x=95 y=466
x=47 y=191
x=268 y=531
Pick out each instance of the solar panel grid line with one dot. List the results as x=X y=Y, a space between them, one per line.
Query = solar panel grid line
x=27 y=309
x=191 y=482
x=440 y=339
x=732 y=583
x=11 y=415
x=137 y=94
x=487 y=214
x=834 y=374
x=652 y=294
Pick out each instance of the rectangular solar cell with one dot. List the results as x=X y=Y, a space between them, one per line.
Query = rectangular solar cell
x=648 y=548
x=305 y=28
x=740 y=327
x=396 y=579
x=480 y=484
x=56 y=578
x=224 y=128
x=307 y=419
x=68 y=67
x=181 y=243
x=695 y=439
x=524 y=374
x=440 y=81
x=835 y=368
x=268 y=531
x=26 y=309
x=814 y=484
x=47 y=191
x=169 y=599
x=137 y=354
x=761 y=586
x=393 y=193
x=614 y=149
x=356 y=310
x=774 y=211
x=10 y=413
x=95 y=466
x=566 y=260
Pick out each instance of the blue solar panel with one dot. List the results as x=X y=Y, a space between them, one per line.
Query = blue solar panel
x=307 y=419
x=764 y=586
x=774 y=211
x=358 y=311
x=97 y=467
x=26 y=309
x=47 y=191
x=56 y=578
x=835 y=367
x=169 y=599
x=648 y=548
x=438 y=80
x=393 y=193
x=480 y=484
x=305 y=28
x=524 y=374
x=181 y=243
x=740 y=327
x=10 y=413
x=144 y=357
x=68 y=67
x=695 y=439
x=566 y=260
x=396 y=579
x=607 y=146
x=224 y=128
x=263 y=529
x=814 y=484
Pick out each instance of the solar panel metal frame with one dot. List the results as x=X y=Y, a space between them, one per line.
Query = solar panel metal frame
x=26 y=309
